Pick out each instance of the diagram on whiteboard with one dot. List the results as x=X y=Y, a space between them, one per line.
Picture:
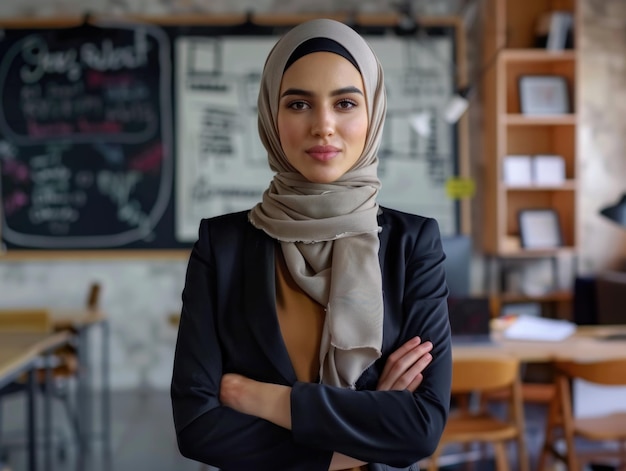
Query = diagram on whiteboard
x=222 y=165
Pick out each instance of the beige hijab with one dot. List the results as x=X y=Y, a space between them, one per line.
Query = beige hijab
x=329 y=232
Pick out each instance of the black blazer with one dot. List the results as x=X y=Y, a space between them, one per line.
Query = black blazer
x=229 y=324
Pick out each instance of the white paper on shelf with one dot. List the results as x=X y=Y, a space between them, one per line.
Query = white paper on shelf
x=548 y=170
x=539 y=328
x=517 y=170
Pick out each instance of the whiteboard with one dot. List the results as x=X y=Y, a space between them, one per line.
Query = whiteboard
x=221 y=165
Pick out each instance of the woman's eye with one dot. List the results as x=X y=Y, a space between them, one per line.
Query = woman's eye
x=346 y=104
x=298 y=105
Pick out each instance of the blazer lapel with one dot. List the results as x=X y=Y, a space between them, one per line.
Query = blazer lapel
x=259 y=291
x=383 y=237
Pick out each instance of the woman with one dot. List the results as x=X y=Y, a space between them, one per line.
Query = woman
x=314 y=333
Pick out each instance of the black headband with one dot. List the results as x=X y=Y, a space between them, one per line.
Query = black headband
x=319 y=45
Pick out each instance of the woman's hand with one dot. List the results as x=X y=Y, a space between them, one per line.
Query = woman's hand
x=236 y=392
x=404 y=367
x=268 y=401
x=403 y=370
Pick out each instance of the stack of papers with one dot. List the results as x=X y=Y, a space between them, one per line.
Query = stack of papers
x=539 y=328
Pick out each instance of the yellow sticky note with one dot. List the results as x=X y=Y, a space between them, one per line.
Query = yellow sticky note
x=458 y=187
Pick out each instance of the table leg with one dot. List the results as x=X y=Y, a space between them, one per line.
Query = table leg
x=106 y=397
x=48 y=412
x=83 y=393
x=32 y=422
x=85 y=396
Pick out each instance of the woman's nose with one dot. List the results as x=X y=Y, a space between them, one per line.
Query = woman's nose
x=323 y=124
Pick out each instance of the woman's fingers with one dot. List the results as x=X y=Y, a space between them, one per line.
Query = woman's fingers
x=399 y=354
x=404 y=349
x=399 y=365
x=414 y=376
x=403 y=365
x=415 y=383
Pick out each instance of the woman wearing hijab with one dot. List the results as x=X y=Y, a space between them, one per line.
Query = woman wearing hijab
x=314 y=331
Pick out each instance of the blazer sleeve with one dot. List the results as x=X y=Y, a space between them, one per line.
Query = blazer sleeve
x=397 y=428
x=207 y=431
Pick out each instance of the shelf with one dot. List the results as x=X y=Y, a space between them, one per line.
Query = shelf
x=513 y=250
x=555 y=304
x=538 y=253
x=517 y=20
x=508 y=131
x=552 y=296
x=568 y=185
x=537 y=55
x=516 y=119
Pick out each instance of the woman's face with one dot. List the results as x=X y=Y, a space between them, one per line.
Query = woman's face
x=322 y=116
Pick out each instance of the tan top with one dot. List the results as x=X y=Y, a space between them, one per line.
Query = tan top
x=301 y=321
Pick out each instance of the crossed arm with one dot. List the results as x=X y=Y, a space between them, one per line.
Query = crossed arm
x=272 y=402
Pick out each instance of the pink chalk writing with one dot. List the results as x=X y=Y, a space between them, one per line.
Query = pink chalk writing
x=14 y=202
x=36 y=129
x=105 y=127
x=97 y=79
x=148 y=160
x=16 y=169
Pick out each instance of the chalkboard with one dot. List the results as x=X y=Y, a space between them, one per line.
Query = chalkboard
x=124 y=135
x=86 y=159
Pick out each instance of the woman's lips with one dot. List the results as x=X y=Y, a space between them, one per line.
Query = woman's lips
x=322 y=153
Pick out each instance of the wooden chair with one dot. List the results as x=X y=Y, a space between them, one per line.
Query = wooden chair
x=562 y=423
x=466 y=427
x=93 y=296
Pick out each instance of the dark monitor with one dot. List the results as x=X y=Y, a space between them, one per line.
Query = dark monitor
x=469 y=318
x=458 y=250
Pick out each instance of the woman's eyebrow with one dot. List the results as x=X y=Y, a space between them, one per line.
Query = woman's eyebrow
x=345 y=90
x=339 y=91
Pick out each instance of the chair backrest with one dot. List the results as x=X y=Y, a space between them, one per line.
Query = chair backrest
x=25 y=320
x=483 y=374
x=605 y=425
x=93 y=296
x=604 y=372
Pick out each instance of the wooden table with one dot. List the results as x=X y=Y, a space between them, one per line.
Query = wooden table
x=20 y=352
x=76 y=318
x=587 y=343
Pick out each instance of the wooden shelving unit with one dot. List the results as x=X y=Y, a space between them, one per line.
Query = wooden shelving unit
x=510 y=47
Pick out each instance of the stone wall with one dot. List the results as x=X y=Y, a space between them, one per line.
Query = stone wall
x=602 y=131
